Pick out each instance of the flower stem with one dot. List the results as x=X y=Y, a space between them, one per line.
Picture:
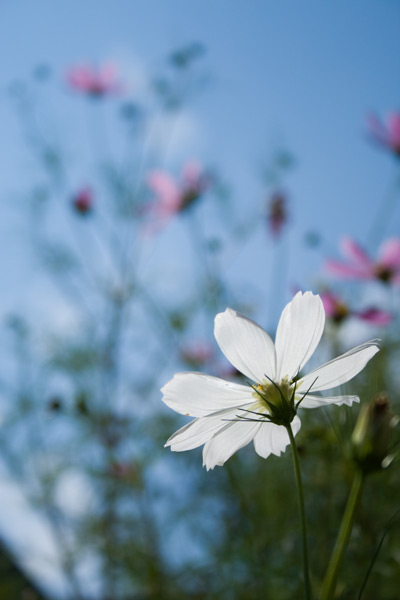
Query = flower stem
x=302 y=511
x=329 y=583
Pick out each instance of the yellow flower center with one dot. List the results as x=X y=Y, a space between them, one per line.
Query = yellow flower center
x=277 y=400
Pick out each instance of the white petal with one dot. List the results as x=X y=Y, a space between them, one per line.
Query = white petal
x=315 y=401
x=273 y=439
x=245 y=344
x=227 y=441
x=339 y=370
x=299 y=332
x=197 y=395
x=200 y=430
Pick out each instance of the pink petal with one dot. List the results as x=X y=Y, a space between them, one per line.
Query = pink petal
x=390 y=253
x=394 y=129
x=86 y=78
x=375 y=316
x=354 y=252
x=329 y=301
x=80 y=78
x=166 y=191
x=191 y=173
x=348 y=271
x=108 y=73
x=107 y=79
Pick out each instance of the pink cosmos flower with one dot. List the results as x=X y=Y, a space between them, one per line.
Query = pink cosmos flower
x=94 y=82
x=375 y=316
x=360 y=266
x=277 y=212
x=172 y=196
x=83 y=201
x=334 y=307
x=386 y=134
x=337 y=310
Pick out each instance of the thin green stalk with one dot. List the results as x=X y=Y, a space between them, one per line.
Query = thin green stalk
x=390 y=523
x=302 y=511
x=329 y=583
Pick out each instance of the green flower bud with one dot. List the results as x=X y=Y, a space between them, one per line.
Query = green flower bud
x=372 y=435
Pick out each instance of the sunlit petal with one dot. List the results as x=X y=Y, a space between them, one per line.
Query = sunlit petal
x=299 y=332
x=273 y=439
x=198 y=395
x=227 y=441
x=339 y=370
x=245 y=344
x=311 y=401
x=200 y=430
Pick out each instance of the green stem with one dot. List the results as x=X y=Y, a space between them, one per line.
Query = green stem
x=329 y=583
x=302 y=511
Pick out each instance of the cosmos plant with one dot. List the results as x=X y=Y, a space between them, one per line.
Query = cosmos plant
x=228 y=416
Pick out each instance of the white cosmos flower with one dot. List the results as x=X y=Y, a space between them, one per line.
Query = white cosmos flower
x=230 y=415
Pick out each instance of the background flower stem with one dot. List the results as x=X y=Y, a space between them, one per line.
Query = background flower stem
x=329 y=583
x=303 y=520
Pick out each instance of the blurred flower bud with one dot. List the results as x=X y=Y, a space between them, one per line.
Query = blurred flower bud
x=312 y=239
x=277 y=212
x=372 y=435
x=81 y=404
x=55 y=404
x=183 y=57
x=42 y=72
x=195 y=182
x=83 y=201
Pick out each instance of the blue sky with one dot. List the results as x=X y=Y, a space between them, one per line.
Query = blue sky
x=298 y=74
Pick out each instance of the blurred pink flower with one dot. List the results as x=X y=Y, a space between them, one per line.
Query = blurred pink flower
x=198 y=354
x=386 y=134
x=334 y=307
x=360 y=266
x=94 y=82
x=277 y=212
x=172 y=196
x=337 y=310
x=375 y=316
x=83 y=201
